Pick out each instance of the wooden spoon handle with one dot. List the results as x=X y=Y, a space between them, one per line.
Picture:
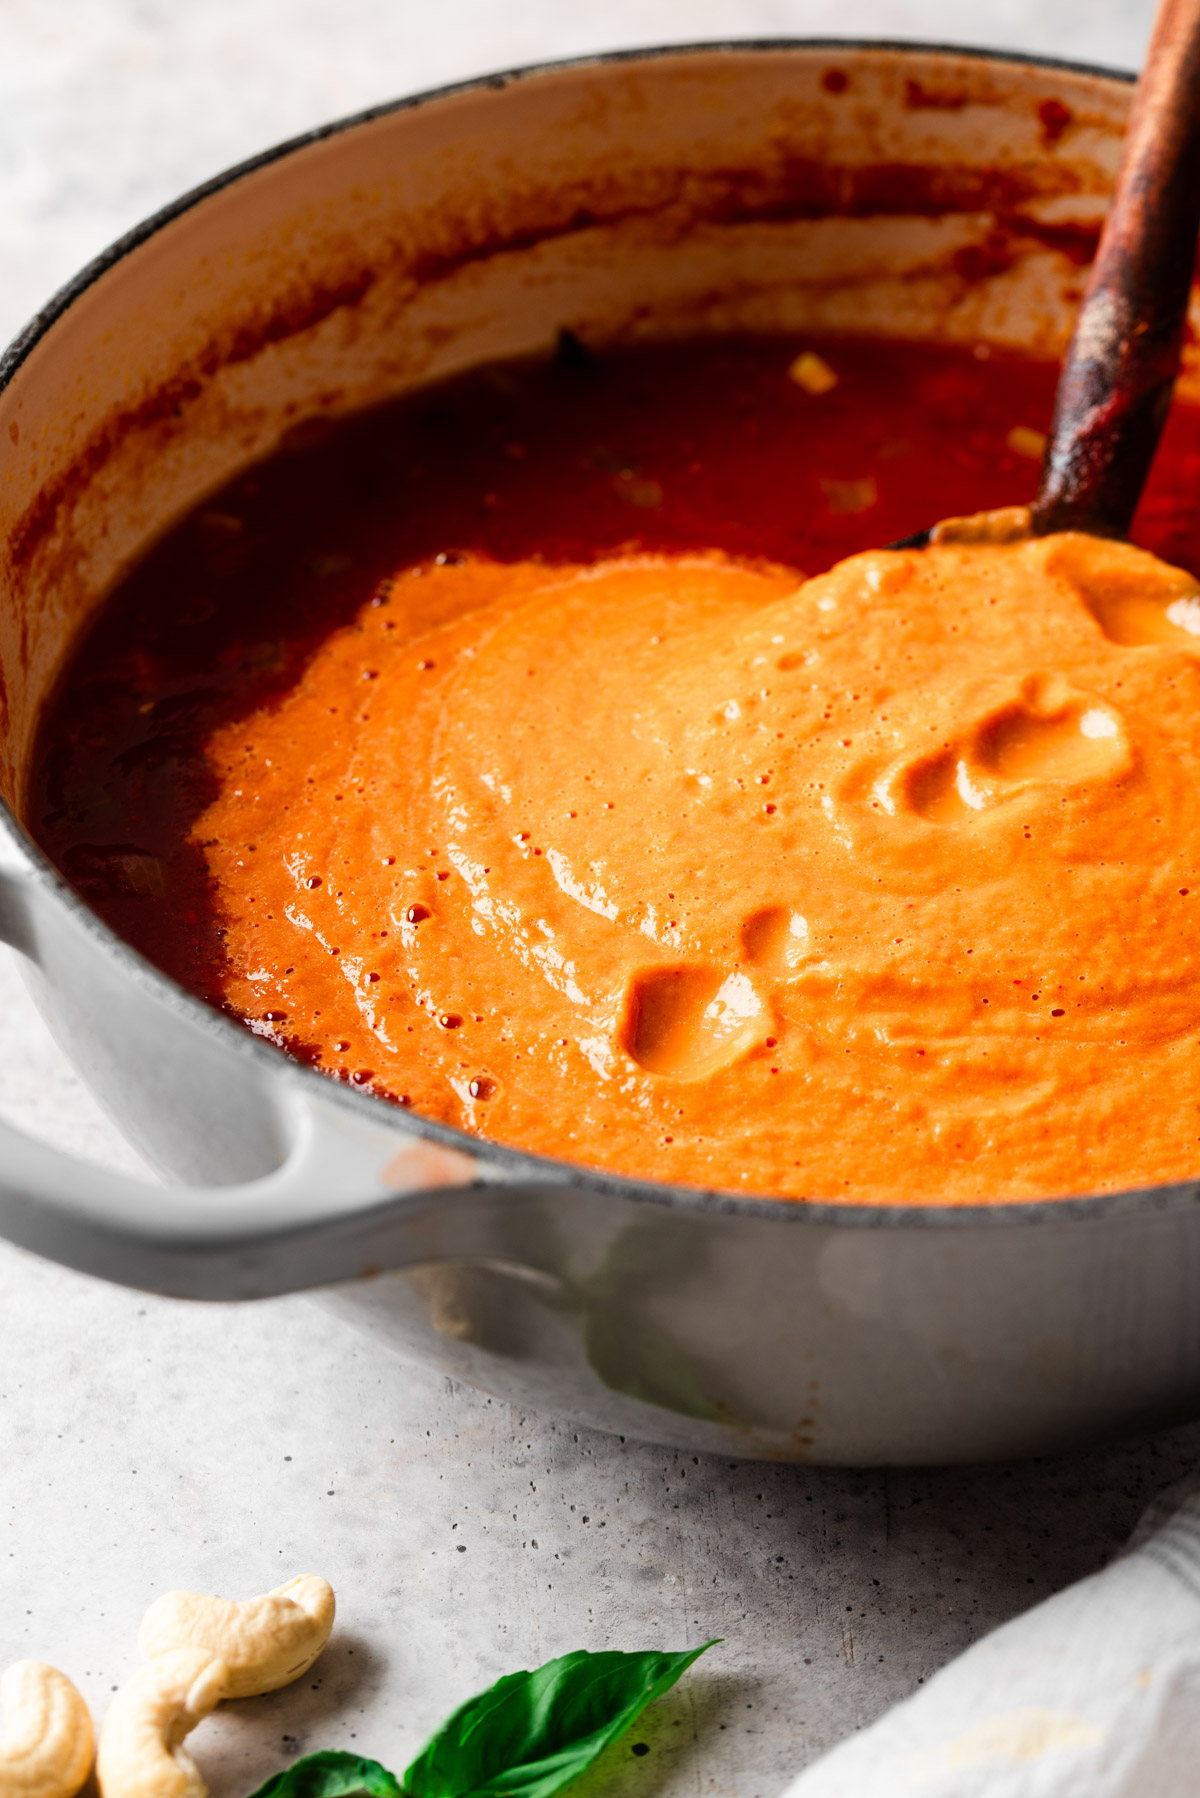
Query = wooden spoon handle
x=1121 y=364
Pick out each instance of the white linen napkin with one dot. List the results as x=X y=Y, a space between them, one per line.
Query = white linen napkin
x=1093 y=1694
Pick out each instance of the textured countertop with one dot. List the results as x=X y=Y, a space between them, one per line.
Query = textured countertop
x=145 y=1444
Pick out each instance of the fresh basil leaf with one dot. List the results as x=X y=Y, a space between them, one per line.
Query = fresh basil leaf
x=531 y=1734
x=331 y=1775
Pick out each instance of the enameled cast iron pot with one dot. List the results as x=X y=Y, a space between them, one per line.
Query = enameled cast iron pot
x=836 y=186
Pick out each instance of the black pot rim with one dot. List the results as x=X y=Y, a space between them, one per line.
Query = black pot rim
x=517 y=1164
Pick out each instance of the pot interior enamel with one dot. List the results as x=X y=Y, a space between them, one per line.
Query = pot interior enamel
x=919 y=193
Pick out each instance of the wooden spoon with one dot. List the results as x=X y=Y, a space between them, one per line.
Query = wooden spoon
x=1120 y=367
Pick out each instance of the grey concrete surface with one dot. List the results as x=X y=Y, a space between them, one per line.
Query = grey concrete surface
x=145 y=1444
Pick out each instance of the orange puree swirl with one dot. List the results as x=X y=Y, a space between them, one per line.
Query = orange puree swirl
x=879 y=886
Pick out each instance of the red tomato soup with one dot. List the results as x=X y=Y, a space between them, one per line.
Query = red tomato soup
x=558 y=751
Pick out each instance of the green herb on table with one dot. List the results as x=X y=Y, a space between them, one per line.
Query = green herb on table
x=332 y=1774
x=527 y=1736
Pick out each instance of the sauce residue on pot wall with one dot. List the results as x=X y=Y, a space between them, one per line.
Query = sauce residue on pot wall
x=494 y=754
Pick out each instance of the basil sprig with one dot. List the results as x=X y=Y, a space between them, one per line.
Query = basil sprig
x=531 y=1734
x=332 y=1774
x=527 y=1736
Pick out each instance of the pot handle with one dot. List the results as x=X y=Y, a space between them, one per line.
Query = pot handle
x=353 y=1200
x=355 y=1196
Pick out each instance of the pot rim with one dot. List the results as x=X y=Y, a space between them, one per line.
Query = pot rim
x=515 y=1163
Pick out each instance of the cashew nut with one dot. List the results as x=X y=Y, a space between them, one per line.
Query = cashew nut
x=46 y=1749
x=141 y=1753
x=265 y=1642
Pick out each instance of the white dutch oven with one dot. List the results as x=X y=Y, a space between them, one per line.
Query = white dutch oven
x=911 y=191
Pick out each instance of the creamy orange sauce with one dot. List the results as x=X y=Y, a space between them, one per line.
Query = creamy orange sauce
x=882 y=885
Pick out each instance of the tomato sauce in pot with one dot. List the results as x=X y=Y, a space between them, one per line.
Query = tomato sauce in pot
x=510 y=752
